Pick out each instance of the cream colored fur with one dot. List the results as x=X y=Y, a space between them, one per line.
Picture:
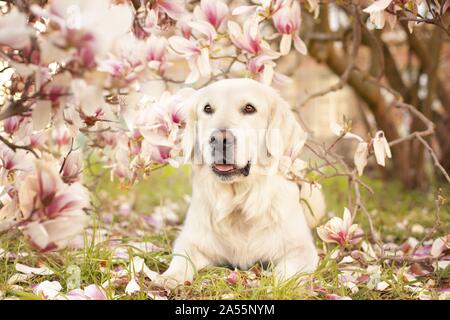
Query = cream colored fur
x=248 y=219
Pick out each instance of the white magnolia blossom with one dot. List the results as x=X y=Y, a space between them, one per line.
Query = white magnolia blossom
x=381 y=148
x=377 y=13
x=379 y=144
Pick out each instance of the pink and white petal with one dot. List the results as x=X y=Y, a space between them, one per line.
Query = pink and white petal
x=48 y=289
x=94 y=292
x=243 y=10
x=8 y=214
x=267 y=74
x=42 y=271
x=438 y=247
x=62 y=229
x=222 y=12
x=379 y=150
x=387 y=149
x=347 y=220
x=173 y=8
x=299 y=45
x=194 y=75
x=205 y=28
x=281 y=79
x=285 y=44
x=37 y=233
x=183 y=46
x=138 y=265
x=76 y=294
x=132 y=287
x=324 y=234
x=382 y=286
x=155 y=138
x=360 y=157
x=203 y=63
x=446 y=6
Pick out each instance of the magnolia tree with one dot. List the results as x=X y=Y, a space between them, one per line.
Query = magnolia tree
x=110 y=77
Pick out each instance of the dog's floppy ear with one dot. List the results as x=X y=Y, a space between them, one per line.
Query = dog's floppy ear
x=285 y=136
x=188 y=139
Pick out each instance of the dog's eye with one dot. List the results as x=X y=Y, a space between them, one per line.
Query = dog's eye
x=208 y=109
x=249 y=109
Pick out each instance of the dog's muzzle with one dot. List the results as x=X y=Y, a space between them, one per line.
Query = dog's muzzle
x=223 y=147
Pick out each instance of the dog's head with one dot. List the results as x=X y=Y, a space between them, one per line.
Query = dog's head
x=239 y=127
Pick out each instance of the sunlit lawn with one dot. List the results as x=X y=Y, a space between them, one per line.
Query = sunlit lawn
x=121 y=215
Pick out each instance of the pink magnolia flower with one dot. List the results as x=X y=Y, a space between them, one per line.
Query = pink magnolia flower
x=156 y=52
x=14 y=30
x=168 y=109
x=12 y=124
x=10 y=160
x=196 y=56
x=153 y=133
x=54 y=234
x=287 y=20
x=263 y=66
x=340 y=230
x=121 y=72
x=205 y=30
x=173 y=8
x=53 y=211
x=121 y=160
x=86 y=26
x=157 y=154
x=183 y=26
x=88 y=97
x=151 y=22
x=248 y=39
x=129 y=58
x=61 y=135
x=144 y=26
x=213 y=11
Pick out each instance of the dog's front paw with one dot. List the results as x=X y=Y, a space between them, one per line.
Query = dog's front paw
x=168 y=281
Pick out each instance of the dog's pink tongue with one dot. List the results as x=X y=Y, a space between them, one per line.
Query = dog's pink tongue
x=224 y=167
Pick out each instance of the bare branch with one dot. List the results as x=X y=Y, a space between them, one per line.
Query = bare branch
x=14 y=147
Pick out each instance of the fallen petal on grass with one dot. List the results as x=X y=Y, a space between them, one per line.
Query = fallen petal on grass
x=48 y=289
x=43 y=271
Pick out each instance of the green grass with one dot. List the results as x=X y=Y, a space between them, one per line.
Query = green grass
x=389 y=206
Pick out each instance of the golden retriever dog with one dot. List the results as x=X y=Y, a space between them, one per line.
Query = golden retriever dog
x=243 y=209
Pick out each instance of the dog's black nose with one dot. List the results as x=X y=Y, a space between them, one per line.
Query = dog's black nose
x=222 y=137
x=222 y=143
